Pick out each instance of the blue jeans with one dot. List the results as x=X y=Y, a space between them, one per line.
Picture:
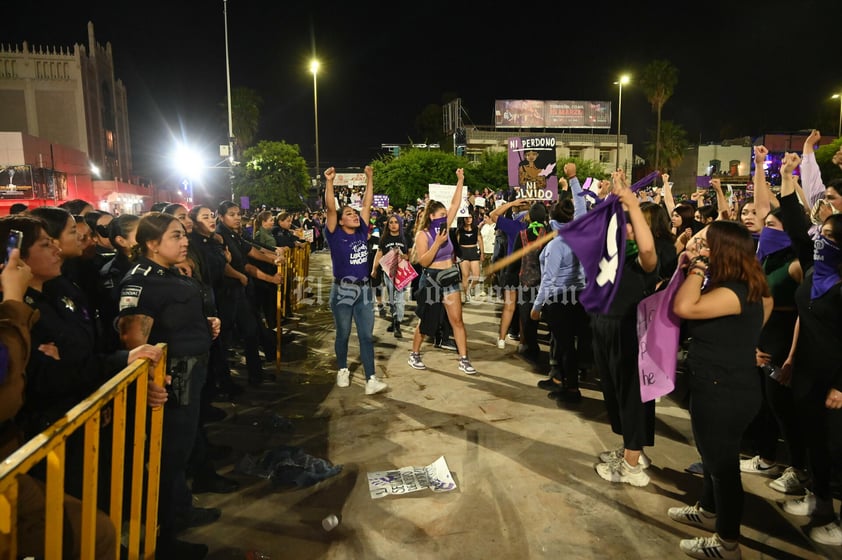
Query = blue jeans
x=395 y=298
x=353 y=302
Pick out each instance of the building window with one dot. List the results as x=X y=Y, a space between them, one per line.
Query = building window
x=606 y=156
x=576 y=153
x=109 y=140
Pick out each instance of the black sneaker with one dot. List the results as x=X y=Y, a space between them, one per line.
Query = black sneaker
x=397 y=331
x=549 y=384
x=568 y=396
x=390 y=328
x=446 y=344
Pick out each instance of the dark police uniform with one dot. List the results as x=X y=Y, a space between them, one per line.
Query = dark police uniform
x=237 y=309
x=176 y=305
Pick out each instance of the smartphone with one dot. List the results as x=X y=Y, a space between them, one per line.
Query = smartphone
x=443 y=229
x=14 y=241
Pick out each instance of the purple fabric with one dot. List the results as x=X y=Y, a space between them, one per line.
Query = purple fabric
x=658 y=329
x=599 y=241
x=771 y=241
x=645 y=181
x=348 y=253
x=826 y=260
x=512 y=229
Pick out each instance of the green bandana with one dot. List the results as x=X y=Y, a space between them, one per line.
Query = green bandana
x=631 y=248
x=534 y=227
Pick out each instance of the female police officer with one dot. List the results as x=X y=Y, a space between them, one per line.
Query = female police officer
x=159 y=304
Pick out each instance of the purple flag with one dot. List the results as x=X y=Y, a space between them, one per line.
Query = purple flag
x=599 y=241
x=658 y=333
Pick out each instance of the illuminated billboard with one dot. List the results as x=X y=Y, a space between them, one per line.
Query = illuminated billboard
x=531 y=113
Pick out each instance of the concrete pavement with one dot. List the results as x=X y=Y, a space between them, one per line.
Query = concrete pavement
x=524 y=468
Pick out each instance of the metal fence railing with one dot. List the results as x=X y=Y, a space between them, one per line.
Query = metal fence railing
x=127 y=390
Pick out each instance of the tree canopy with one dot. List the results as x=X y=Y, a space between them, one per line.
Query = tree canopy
x=273 y=173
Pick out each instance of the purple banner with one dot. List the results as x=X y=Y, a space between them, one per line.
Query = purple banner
x=381 y=201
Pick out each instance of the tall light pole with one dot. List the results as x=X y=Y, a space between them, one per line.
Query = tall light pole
x=230 y=119
x=839 y=97
x=314 y=68
x=624 y=79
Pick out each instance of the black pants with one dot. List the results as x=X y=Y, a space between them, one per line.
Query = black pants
x=720 y=412
x=564 y=319
x=615 y=348
x=239 y=318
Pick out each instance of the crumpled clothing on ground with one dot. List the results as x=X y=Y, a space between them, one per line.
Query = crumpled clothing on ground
x=288 y=466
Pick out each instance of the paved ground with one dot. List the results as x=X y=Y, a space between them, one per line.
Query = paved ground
x=524 y=469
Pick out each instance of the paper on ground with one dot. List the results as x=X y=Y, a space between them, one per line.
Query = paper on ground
x=435 y=476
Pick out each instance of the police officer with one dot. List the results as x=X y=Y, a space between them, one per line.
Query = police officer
x=159 y=304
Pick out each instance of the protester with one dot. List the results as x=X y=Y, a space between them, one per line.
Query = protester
x=616 y=347
x=351 y=295
x=395 y=241
x=434 y=251
x=725 y=301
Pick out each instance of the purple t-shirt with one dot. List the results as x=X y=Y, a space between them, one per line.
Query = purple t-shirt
x=348 y=253
x=512 y=229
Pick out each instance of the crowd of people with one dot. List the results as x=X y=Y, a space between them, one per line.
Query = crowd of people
x=757 y=302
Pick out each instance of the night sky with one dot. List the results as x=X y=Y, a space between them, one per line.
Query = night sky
x=745 y=68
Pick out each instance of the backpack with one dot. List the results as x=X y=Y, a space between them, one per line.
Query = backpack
x=530 y=266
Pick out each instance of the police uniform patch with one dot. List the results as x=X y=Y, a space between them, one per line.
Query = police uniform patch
x=129 y=297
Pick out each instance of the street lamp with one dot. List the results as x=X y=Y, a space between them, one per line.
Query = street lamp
x=230 y=119
x=314 y=68
x=839 y=97
x=624 y=79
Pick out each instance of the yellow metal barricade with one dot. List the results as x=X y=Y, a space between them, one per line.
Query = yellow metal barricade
x=49 y=445
x=294 y=271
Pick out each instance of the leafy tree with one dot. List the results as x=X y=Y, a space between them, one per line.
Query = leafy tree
x=272 y=173
x=824 y=157
x=674 y=144
x=429 y=125
x=658 y=83
x=407 y=177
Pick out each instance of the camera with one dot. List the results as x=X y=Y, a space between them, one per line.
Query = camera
x=14 y=242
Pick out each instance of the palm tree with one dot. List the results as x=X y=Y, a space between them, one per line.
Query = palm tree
x=673 y=145
x=658 y=83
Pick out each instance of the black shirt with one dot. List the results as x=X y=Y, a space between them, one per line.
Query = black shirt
x=175 y=303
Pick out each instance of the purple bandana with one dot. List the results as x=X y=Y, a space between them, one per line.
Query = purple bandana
x=771 y=241
x=826 y=260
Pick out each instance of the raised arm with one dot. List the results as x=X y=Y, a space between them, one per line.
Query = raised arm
x=331 y=219
x=669 y=201
x=811 y=177
x=762 y=204
x=368 y=196
x=646 y=256
x=502 y=209
x=456 y=201
x=721 y=200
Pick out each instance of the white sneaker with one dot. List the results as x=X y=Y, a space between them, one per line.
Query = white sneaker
x=374 y=385
x=810 y=504
x=790 y=482
x=415 y=361
x=501 y=344
x=827 y=534
x=621 y=471
x=756 y=465
x=693 y=515
x=618 y=454
x=343 y=377
x=709 y=547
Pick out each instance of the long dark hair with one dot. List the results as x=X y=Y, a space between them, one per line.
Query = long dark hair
x=733 y=258
x=151 y=227
x=686 y=212
x=29 y=226
x=424 y=222
x=54 y=217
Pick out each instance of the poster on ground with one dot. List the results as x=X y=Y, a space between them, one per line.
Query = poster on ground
x=435 y=476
